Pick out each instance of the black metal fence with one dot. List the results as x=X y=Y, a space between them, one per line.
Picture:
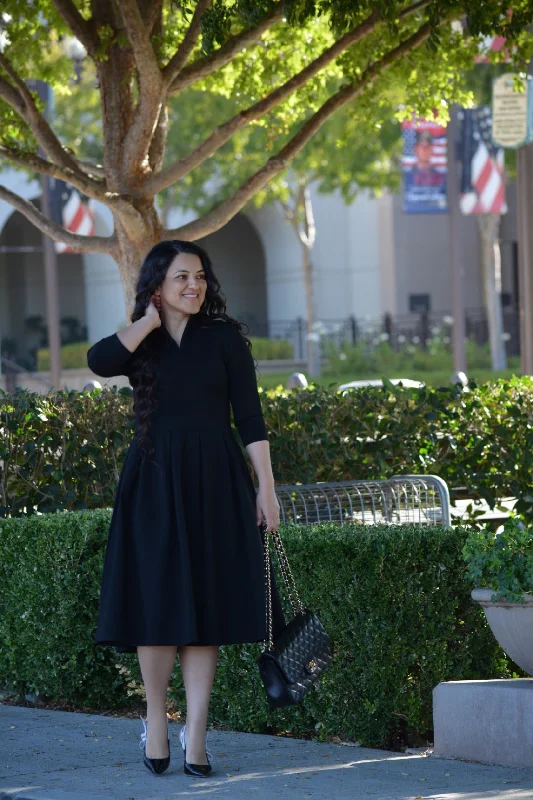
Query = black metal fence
x=399 y=330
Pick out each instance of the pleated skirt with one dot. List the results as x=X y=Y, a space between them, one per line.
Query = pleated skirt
x=184 y=562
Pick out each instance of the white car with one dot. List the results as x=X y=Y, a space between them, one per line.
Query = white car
x=406 y=382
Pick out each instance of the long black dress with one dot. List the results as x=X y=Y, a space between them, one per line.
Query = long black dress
x=184 y=561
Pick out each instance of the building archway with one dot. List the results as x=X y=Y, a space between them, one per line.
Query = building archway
x=23 y=294
x=239 y=262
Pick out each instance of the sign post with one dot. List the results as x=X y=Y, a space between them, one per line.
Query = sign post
x=512 y=127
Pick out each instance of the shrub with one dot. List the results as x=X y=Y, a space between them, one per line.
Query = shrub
x=73 y=356
x=61 y=450
x=270 y=349
x=50 y=568
x=64 y=450
x=376 y=356
x=502 y=561
x=394 y=600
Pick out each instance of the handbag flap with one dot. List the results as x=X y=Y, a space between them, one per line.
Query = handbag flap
x=303 y=647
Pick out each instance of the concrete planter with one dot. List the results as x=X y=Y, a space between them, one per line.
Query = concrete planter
x=511 y=624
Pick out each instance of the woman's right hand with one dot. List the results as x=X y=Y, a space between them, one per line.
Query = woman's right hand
x=152 y=315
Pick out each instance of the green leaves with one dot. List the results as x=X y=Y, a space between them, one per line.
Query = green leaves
x=502 y=561
x=481 y=439
x=394 y=600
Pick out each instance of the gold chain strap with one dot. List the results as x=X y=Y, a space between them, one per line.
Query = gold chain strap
x=288 y=579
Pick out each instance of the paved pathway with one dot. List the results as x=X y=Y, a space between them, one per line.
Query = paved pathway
x=58 y=755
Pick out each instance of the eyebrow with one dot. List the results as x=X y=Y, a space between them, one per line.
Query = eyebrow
x=188 y=271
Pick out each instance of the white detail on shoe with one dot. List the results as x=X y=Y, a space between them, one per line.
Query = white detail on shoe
x=142 y=743
x=208 y=753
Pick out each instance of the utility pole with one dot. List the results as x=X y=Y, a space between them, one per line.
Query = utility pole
x=524 y=191
x=50 y=262
x=457 y=269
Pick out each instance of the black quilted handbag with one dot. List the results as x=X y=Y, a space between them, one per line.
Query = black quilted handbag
x=290 y=665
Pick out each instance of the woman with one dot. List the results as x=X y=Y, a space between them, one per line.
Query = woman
x=184 y=564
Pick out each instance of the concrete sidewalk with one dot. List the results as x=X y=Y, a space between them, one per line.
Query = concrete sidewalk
x=57 y=755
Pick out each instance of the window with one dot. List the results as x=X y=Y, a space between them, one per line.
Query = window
x=418 y=303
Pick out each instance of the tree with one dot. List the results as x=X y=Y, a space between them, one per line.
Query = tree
x=352 y=151
x=296 y=69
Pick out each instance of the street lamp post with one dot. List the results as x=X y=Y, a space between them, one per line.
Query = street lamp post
x=457 y=268
x=50 y=264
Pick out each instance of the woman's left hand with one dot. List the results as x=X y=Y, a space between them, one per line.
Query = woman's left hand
x=267 y=508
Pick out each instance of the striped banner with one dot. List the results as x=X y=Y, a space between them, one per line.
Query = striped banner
x=483 y=179
x=71 y=211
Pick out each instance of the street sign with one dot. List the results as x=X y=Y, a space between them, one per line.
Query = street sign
x=511 y=112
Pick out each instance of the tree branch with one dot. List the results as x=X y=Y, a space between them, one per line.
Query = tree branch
x=43 y=167
x=220 y=215
x=143 y=52
x=88 y=168
x=224 y=132
x=20 y=99
x=12 y=97
x=156 y=153
x=151 y=91
x=80 y=27
x=86 y=244
x=205 y=66
x=179 y=59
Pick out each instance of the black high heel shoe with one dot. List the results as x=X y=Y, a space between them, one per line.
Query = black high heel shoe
x=196 y=770
x=155 y=765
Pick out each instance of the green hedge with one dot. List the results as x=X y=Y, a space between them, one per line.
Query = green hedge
x=65 y=450
x=501 y=561
x=395 y=601
x=74 y=356
x=271 y=349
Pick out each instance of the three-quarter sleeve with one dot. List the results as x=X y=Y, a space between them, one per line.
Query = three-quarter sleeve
x=109 y=357
x=243 y=394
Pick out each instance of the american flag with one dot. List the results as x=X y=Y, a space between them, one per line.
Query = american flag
x=72 y=212
x=491 y=44
x=482 y=183
x=410 y=129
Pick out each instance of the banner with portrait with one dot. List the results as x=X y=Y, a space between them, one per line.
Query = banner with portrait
x=425 y=169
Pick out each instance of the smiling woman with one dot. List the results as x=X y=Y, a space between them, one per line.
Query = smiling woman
x=184 y=565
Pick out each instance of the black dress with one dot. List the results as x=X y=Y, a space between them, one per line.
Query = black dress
x=184 y=561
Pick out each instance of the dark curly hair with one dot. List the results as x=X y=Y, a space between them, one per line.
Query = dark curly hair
x=151 y=276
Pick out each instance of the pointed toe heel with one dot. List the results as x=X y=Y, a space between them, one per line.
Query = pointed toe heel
x=156 y=765
x=196 y=770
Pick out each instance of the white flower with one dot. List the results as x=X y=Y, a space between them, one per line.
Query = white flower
x=5 y=41
x=415 y=340
x=446 y=340
x=383 y=337
x=319 y=328
x=313 y=337
x=401 y=339
x=448 y=320
x=343 y=356
x=435 y=331
x=506 y=337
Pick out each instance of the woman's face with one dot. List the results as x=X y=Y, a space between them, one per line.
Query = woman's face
x=184 y=286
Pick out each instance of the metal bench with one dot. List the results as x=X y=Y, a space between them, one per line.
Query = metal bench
x=401 y=500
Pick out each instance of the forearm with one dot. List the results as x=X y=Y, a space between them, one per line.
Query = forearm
x=134 y=334
x=259 y=453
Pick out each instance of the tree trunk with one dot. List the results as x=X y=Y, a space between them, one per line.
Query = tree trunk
x=489 y=225
x=135 y=238
x=313 y=346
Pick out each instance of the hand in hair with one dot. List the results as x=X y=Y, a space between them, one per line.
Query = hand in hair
x=151 y=312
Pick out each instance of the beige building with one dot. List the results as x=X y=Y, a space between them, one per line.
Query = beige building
x=369 y=259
